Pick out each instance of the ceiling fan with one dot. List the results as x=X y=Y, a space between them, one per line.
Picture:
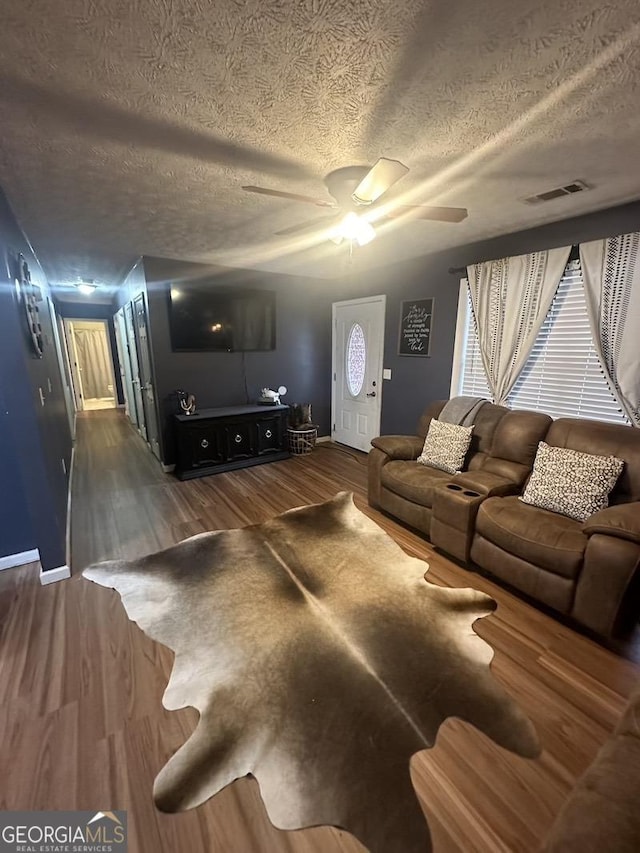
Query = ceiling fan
x=354 y=189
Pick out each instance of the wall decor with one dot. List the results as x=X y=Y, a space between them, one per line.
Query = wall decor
x=416 y=317
x=30 y=294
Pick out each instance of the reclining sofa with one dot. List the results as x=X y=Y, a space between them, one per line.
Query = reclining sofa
x=589 y=571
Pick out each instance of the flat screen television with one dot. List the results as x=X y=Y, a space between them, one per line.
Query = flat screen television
x=214 y=318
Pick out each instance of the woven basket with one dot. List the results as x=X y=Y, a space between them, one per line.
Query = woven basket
x=302 y=441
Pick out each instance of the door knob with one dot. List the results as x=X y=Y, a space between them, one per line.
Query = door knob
x=371 y=394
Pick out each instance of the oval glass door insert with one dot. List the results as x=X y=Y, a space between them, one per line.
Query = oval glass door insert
x=356 y=360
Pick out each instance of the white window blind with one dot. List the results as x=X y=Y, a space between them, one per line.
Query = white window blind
x=562 y=376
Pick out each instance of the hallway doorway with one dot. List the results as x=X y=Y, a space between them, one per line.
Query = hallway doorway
x=91 y=362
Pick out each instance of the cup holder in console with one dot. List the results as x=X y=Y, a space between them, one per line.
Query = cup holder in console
x=453 y=487
x=471 y=494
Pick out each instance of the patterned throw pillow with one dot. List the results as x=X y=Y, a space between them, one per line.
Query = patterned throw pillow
x=446 y=446
x=571 y=483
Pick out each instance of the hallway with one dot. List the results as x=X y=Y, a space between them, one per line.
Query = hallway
x=81 y=720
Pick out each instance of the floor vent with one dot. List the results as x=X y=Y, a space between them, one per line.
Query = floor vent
x=549 y=195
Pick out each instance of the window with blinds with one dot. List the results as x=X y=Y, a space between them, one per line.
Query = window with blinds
x=562 y=376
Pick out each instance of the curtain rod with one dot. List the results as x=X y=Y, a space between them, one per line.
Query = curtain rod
x=574 y=255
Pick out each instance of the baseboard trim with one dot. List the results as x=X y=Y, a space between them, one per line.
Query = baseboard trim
x=322 y=439
x=60 y=573
x=168 y=469
x=19 y=559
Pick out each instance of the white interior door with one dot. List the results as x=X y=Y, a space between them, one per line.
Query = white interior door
x=74 y=364
x=358 y=346
x=125 y=366
x=145 y=368
x=65 y=368
x=135 y=368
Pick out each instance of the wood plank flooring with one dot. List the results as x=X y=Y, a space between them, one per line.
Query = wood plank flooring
x=81 y=720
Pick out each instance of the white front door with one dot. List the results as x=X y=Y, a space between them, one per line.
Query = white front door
x=358 y=344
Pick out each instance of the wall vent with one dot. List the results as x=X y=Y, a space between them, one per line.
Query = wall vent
x=549 y=195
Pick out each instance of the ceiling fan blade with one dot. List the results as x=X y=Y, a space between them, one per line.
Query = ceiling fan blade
x=304 y=226
x=294 y=196
x=419 y=211
x=378 y=179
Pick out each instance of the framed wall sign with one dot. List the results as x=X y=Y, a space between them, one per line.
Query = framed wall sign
x=416 y=318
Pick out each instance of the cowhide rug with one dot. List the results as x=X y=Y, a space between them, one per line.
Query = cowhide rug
x=320 y=661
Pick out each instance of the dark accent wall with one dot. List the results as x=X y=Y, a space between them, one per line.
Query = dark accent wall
x=16 y=530
x=301 y=360
x=87 y=311
x=36 y=437
x=416 y=381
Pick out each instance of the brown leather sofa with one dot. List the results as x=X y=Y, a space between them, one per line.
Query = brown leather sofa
x=589 y=572
x=502 y=450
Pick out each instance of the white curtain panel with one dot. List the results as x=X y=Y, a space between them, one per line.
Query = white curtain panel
x=95 y=361
x=510 y=299
x=611 y=273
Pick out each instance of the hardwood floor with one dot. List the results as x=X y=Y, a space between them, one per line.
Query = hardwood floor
x=81 y=720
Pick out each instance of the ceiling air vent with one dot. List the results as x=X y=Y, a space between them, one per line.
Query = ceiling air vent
x=549 y=195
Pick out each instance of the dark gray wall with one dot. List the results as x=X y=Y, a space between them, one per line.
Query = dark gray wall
x=416 y=381
x=37 y=436
x=301 y=360
x=16 y=530
x=88 y=311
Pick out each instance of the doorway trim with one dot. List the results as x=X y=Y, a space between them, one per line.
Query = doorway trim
x=76 y=376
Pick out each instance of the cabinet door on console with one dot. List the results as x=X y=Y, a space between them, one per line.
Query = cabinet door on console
x=240 y=443
x=204 y=445
x=270 y=435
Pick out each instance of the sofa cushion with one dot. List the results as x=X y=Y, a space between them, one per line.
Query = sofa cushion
x=546 y=539
x=412 y=481
x=605 y=440
x=446 y=446
x=570 y=482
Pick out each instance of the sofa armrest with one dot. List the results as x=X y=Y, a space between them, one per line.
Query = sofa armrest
x=405 y=447
x=622 y=521
x=486 y=483
x=606 y=598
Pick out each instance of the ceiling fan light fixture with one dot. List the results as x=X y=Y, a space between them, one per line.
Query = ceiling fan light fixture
x=353 y=227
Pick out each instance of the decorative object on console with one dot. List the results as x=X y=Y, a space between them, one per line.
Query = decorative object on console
x=446 y=446
x=570 y=482
x=317 y=618
x=272 y=398
x=187 y=402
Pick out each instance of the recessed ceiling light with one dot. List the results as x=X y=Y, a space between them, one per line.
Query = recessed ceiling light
x=86 y=286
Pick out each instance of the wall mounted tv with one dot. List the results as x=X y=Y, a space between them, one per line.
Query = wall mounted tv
x=207 y=317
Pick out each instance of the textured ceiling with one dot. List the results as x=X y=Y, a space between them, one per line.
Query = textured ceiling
x=129 y=127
